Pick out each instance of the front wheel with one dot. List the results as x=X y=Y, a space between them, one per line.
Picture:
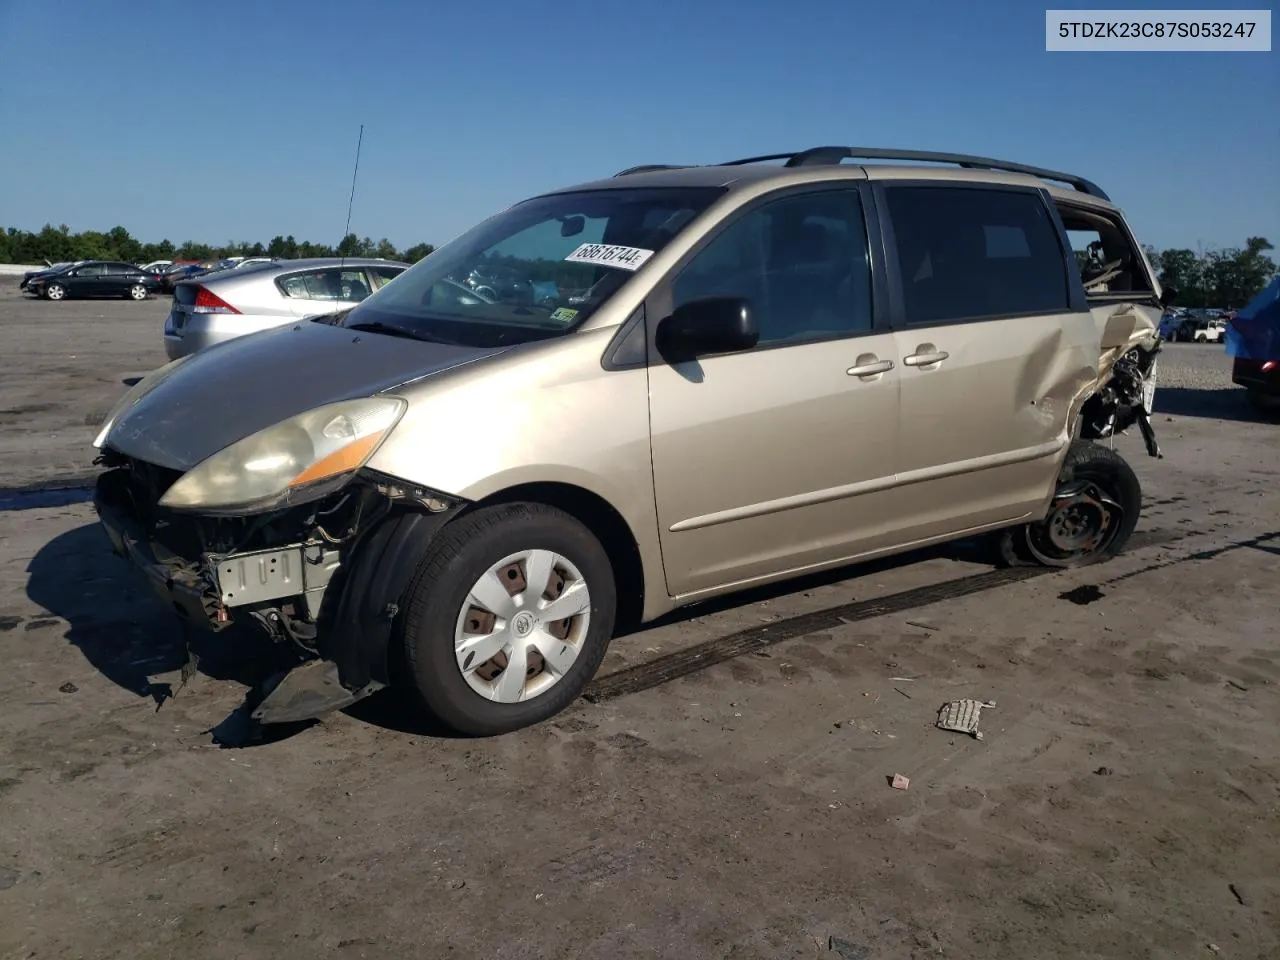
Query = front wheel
x=138 y=291
x=55 y=291
x=508 y=617
x=1094 y=511
x=1202 y=339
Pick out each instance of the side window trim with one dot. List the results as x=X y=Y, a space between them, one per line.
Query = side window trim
x=1076 y=297
x=896 y=288
x=628 y=349
x=1121 y=226
x=658 y=304
x=283 y=279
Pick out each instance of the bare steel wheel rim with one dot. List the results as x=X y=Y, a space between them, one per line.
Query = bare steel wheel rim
x=138 y=292
x=522 y=626
x=1082 y=522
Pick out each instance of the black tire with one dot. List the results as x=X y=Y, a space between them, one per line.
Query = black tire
x=1092 y=463
x=460 y=554
x=55 y=291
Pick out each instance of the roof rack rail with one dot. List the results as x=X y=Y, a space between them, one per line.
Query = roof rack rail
x=647 y=167
x=833 y=155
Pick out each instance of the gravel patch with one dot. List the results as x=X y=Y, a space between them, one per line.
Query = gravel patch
x=1195 y=366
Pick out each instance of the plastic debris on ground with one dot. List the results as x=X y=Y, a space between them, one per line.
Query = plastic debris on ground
x=899 y=782
x=848 y=951
x=961 y=716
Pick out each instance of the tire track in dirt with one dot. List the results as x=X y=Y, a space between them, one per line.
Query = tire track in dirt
x=662 y=670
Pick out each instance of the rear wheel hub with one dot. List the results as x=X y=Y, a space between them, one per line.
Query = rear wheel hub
x=1081 y=522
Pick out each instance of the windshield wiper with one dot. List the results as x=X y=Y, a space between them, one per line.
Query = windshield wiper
x=332 y=319
x=390 y=329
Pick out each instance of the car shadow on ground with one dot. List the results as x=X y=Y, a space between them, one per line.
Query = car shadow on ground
x=979 y=550
x=125 y=631
x=1222 y=403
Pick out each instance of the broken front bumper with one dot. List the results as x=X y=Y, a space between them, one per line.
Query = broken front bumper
x=179 y=583
x=204 y=591
x=284 y=587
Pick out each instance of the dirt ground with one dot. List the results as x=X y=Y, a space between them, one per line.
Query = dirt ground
x=728 y=800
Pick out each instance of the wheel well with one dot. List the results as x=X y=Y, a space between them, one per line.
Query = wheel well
x=598 y=516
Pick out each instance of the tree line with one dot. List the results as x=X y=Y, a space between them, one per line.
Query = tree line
x=1224 y=279
x=59 y=244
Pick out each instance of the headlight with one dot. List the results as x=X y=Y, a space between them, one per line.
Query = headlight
x=134 y=394
x=288 y=459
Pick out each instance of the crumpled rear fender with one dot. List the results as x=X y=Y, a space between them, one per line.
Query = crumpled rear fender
x=1121 y=327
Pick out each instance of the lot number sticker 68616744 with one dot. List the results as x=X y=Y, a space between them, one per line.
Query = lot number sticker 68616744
x=608 y=255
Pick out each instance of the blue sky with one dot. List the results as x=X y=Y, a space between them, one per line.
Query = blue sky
x=178 y=121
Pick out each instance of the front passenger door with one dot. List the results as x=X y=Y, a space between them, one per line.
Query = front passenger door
x=779 y=458
x=87 y=281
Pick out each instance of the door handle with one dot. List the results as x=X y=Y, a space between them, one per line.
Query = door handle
x=926 y=356
x=869 y=365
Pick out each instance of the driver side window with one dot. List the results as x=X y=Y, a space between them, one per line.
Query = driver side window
x=802 y=262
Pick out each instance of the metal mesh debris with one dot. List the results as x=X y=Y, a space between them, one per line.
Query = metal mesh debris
x=962 y=716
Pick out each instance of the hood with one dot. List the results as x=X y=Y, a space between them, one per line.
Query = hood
x=230 y=391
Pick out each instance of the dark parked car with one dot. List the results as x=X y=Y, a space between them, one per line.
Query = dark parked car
x=174 y=275
x=46 y=271
x=95 y=278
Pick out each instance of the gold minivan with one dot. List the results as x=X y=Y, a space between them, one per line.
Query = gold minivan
x=671 y=384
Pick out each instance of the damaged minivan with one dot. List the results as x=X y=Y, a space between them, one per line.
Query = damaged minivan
x=692 y=380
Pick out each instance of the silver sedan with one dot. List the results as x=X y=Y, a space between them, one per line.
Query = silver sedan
x=231 y=303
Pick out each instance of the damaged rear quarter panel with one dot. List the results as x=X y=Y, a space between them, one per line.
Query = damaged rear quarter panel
x=1076 y=375
x=1121 y=327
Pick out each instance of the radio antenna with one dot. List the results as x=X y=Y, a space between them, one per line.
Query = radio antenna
x=351 y=201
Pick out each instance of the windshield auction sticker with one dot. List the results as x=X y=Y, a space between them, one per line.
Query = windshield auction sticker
x=607 y=255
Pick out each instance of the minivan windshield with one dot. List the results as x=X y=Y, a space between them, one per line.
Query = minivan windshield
x=537 y=270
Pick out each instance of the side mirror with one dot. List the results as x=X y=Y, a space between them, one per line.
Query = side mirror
x=1167 y=296
x=706 y=326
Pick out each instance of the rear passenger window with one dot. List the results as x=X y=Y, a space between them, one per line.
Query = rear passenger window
x=384 y=275
x=347 y=285
x=802 y=262
x=972 y=254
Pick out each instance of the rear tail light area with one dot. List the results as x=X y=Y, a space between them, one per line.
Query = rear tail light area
x=1268 y=366
x=209 y=302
